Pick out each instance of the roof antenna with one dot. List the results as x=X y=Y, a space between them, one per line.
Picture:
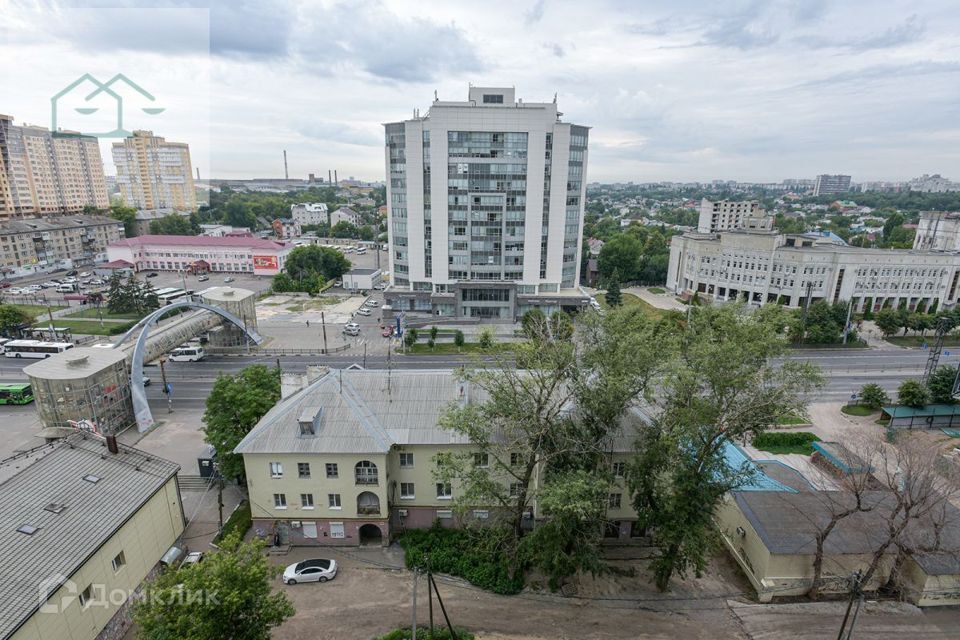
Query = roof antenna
x=554 y=97
x=435 y=98
x=341 y=380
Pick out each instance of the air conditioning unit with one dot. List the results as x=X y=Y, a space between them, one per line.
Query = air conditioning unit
x=402 y=513
x=295 y=524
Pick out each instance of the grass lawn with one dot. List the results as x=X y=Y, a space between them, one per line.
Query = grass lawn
x=792 y=420
x=447 y=348
x=783 y=443
x=917 y=341
x=857 y=410
x=86 y=327
x=91 y=313
x=630 y=300
x=35 y=310
x=657 y=290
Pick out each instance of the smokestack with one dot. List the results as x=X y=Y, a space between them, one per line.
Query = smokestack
x=198 y=173
x=329 y=177
x=336 y=180
x=286 y=172
x=112 y=444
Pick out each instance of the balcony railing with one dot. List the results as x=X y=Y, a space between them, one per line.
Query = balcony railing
x=372 y=480
x=369 y=510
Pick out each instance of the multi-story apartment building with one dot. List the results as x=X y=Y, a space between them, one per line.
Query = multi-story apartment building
x=828 y=184
x=350 y=456
x=41 y=244
x=310 y=213
x=486 y=201
x=764 y=266
x=153 y=173
x=44 y=172
x=938 y=231
x=726 y=214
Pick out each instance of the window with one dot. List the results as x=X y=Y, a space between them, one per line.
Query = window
x=481 y=460
x=118 y=561
x=336 y=530
x=444 y=514
x=86 y=596
x=406 y=460
x=492 y=98
x=407 y=490
x=516 y=459
x=333 y=500
x=444 y=491
x=303 y=469
x=365 y=472
x=280 y=500
x=306 y=500
x=515 y=489
x=332 y=471
x=614 y=502
x=276 y=470
x=619 y=469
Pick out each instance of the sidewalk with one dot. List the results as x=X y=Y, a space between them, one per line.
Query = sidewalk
x=666 y=301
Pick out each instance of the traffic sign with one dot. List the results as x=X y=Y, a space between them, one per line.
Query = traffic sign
x=169 y=389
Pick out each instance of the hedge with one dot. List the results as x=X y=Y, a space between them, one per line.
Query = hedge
x=240 y=521
x=784 y=439
x=423 y=633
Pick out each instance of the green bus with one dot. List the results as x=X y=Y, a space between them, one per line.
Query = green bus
x=16 y=393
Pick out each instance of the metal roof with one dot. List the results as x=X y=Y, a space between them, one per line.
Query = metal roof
x=93 y=512
x=74 y=364
x=225 y=294
x=245 y=242
x=55 y=223
x=899 y=411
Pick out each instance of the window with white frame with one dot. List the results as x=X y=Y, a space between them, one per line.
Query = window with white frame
x=118 y=561
x=333 y=500
x=619 y=469
x=332 y=470
x=444 y=491
x=516 y=459
x=280 y=501
x=276 y=470
x=515 y=489
x=303 y=470
x=306 y=500
x=406 y=460
x=481 y=460
x=614 y=502
x=407 y=490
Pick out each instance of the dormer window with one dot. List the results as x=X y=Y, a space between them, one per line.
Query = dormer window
x=310 y=421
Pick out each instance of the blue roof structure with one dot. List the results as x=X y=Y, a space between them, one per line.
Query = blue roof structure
x=737 y=460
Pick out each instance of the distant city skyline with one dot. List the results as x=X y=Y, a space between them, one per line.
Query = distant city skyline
x=677 y=91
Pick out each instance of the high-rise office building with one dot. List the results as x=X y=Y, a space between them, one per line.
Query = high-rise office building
x=153 y=173
x=829 y=184
x=485 y=208
x=44 y=172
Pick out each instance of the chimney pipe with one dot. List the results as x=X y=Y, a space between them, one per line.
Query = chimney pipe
x=336 y=180
x=329 y=177
x=112 y=444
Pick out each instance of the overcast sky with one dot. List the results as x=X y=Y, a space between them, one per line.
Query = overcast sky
x=674 y=89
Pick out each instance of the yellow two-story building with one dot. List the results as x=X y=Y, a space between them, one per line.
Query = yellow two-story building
x=350 y=458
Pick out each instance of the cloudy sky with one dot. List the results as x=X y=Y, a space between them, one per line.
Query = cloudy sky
x=674 y=89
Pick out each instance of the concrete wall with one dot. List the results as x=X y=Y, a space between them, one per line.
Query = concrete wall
x=143 y=540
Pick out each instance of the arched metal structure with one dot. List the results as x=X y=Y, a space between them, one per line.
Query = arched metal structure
x=141 y=407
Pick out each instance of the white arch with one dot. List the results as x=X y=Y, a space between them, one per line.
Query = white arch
x=141 y=408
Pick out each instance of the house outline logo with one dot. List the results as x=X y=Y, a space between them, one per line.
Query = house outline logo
x=103 y=88
x=49 y=586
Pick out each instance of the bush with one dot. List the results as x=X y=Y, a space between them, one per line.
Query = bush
x=458 y=553
x=783 y=439
x=873 y=396
x=239 y=521
x=117 y=329
x=423 y=633
x=485 y=338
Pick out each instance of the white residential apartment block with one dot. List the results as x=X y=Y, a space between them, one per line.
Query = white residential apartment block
x=726 y=214
x=153 y=173
x=485 y=208
x=44 y=172
x=829 y=184
x=36 y=245
x=310 y=213
x=938 y=231
x=764 y=266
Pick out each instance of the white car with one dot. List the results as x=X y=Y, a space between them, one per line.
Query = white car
x=363 y=311
x=310 y=571
x=352 y=329
x=85 y=274
x=372 y=303
x=49 y=285
x=14 y=291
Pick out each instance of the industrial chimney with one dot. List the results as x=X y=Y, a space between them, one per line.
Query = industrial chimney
x=286 y=172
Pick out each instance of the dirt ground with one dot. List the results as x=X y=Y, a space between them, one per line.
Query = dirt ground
x=373 y=594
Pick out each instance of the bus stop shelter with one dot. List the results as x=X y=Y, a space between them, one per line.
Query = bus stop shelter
x=932 y=416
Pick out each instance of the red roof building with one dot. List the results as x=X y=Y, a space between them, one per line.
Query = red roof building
x=227 y=254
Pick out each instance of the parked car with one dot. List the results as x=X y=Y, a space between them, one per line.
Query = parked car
x=372 y=303
x=387 y=332
x=228 y=279
x=72 y=272
x=352 y=329
x=310 y=571
x=15 y=291
x=146 y=381
x=203 y=278
x=194 y=557
x=85 y=274
x=5 y=285
x=363 y=311
x=152 y=274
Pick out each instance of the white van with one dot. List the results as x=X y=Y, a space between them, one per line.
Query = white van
x=65 y=288
x=187 y=354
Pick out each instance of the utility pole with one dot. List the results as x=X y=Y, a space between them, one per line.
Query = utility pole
x=943 y=326
x=854 y=591
x=219 y=501
x=416 y=574
x=443 y=609
x=323 y=325
x=365 y=355
x=846 y=326
x=166 y=388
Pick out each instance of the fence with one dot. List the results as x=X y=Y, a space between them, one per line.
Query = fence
x=298 y=351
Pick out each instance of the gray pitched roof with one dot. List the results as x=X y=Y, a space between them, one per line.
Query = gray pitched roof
x=93 y=512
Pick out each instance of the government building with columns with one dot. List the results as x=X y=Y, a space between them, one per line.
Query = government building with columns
x=761 y=266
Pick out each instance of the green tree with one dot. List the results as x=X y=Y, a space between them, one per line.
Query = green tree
x=940 y=385
x=235 y=404
x=410 y=338
x=228 y=595
x=173 y=225
x=434 y=332
x=458 y=339
x=873 y=396
x=620 y=257
x=309 y=267
x=888 y=321
x=913 y=394
x=613 y=296
x=724 y=387
x=116 y=300
x=485 y=338
x=128 y=216
x=12 y=317
x=344 y=229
